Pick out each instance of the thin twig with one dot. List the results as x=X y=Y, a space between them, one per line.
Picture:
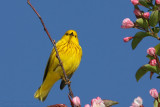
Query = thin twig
x=150 y=29
x=137 y=27
x=157 y=60
x=158 y=102
x=54 y=45
x=70 y=101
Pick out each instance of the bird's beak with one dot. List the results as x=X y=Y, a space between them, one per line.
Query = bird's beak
x=69 y=39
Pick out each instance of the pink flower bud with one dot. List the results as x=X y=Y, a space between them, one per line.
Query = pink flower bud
x=97 y=102
x=153 y=92
x=87 y=105
x=127 y=23
x=153 y=62
x=151 y=51
x=135 y=2
x=137 y=102
x=146 y=15
x=126 y=39
x=137 y=12
x=76 y=101
x=157 y=1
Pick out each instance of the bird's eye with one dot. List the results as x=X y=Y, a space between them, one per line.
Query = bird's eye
x=67 y=34
x=75 y=36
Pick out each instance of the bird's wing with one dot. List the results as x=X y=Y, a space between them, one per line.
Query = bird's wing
x=52 y=63
x=63 y=82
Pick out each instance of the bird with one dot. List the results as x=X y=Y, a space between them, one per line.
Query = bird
x=70 y=53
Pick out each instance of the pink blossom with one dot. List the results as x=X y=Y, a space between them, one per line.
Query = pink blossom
x=126 y=39
x=137 y=102
x=157 y=1
x=153 y=92
x=135 y=105
x=137 y=12
x=127 y=23
x=153 y=62
x=151 y=51
x=97 y=102
x=146 y=15
x=87 y=105
x=76 y=101
x=135 y=2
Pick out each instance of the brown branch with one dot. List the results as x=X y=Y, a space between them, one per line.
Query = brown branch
x=71 y=101
x=54 y=45
x=157 y=60
x=158 y=102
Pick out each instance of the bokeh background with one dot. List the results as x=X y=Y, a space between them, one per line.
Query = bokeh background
x=108 y=64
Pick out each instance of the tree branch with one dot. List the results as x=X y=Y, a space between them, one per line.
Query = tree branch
x=57 y=54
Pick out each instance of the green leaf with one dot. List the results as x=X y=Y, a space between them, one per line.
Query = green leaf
x=144 y=3
x=140 y=73
x=155 y=103
x=109 y=103
x=156 y=29
x=158 y=77
x=158 y=16
x=153 y=20
x=138 y=37
x=157 y=48
x=150 y=57
x=144 y=69
x=142 y=23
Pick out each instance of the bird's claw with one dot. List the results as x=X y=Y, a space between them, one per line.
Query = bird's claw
x=67 y=82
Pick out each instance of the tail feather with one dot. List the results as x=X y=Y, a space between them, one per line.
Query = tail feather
x=41 y=94
x=46 y=86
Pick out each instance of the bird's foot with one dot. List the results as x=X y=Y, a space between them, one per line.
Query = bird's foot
x=67 y=81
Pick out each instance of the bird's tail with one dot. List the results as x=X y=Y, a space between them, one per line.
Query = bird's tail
x=41 y=94
x=44 y=89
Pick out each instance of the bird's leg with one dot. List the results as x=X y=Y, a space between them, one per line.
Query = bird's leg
x=66 y=81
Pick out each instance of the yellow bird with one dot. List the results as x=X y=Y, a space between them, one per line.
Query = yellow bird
x=70 y=53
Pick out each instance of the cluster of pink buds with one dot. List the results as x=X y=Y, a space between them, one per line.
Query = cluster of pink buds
x=138 y=102
x=151 y=51
x=96 y=102
x=153 y=92
x=138 y=13
x=127 y=23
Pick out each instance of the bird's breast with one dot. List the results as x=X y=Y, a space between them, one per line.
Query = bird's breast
x=70 y=55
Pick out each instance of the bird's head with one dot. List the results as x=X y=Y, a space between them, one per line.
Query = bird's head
x=71 y=37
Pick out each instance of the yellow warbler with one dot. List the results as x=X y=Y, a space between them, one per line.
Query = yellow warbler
x=70 y=53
